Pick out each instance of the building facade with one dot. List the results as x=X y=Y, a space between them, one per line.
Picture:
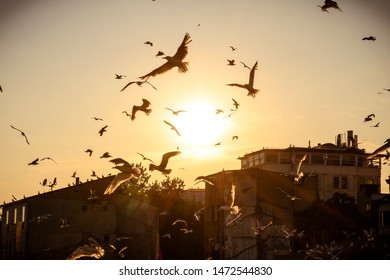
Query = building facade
x=53 y=224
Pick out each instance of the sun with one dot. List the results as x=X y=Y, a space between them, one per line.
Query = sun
x=200 y=126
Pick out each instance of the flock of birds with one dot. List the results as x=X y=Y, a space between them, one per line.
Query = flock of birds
x=128 y=171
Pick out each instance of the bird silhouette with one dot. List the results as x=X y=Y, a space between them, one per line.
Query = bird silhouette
x=369 y=38
x=143 y=108
x=218 y=111
x=173 y=61
x=235 y=137
x=139 y=83
x=128 y=171
x=172 y=127
x=97 y=119
x=251 y=90
x=376 y=125
x=149 y=43
x=22 y=133
x=119 y=77
x=329 y=4
x=235 y=104
x=290 y=197
x=233 y=48
x=160 y=53
x=89 y=151
x=231 y=62
x=162 y=167
x=369 y=118
x=1 y=89
x=176 y=112
x=105 y=155
x=145 y=158
x=91 y=250
x=34 y=162
x=127 y=114
x=206 y=179
x=259 y=228
x=102 y=130
x=44 y=182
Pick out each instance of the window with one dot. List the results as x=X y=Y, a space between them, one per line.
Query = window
x=7 y=217
x=15 y=215
x=348 y=160
x=23 y=213
x=333 y=159
x=317 y=159
x=385 y=218
x=285 y=157
x=271 y=157
x=340 y=182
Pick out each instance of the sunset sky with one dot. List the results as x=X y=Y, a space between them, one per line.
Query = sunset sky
x=317 y=78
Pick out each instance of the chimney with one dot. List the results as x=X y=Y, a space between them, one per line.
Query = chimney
x=338 y=140
x=77 y=180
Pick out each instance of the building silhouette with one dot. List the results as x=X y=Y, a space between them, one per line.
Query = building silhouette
x=285 y=216
x=51 y=225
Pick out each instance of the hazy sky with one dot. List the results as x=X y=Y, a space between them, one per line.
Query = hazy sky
x=58 y=59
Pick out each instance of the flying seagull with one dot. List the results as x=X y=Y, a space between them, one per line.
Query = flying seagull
x=206 y=179
x=173 y=61
x=160 y=53
x=376 y=125
x=231 y=62
x=291 y=197
x=176 y=112
x=119 y=77
x=89 y=151
x=329 y=4
x=128 y=171
x=105 y=155
x=149 y=43
x=97 y=119
x=173 y=127
x=233 y=48
x=369 y=117
x=102 y=130
x=1 y=89
x=143 y=108
x=251 y=91
x=22 y=133
x=235 y=103
x=369 y=38
x=145 y=158
x=139 y=83
x=127 y=114
x=91 y=250
x=162 y=167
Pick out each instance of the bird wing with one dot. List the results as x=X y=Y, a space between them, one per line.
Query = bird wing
x=115 y=183
x=300 y=163
x=162 y=69
x=119 y=161
x=127 y=85
x=182 y=50
x=171 y=125
x=236 y=85
x=145 y=103
x=151 y=85
x=252 y=74
x=167 y=156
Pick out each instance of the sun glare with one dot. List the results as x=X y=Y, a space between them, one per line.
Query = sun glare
x=201 y=127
